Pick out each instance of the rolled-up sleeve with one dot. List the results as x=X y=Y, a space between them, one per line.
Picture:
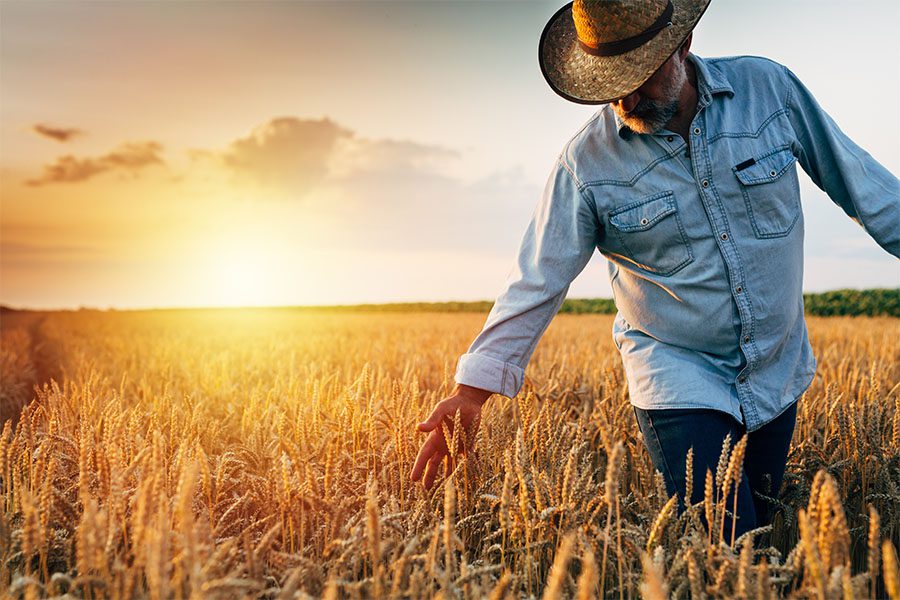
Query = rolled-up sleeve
x=557 y=244
x=852 y=178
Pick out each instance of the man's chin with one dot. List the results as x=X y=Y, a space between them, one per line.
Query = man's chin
x=642 y=126
x=650 y=118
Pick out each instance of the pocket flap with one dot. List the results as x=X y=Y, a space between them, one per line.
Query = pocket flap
x=643 y=213
x=766 y=168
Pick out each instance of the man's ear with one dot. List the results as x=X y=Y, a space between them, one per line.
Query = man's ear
x=685 y=46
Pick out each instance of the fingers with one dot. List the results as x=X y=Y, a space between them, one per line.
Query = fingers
x=431 y=471
x=439 y=412
x=432 y=446
x=434 y=450
x=425 y=453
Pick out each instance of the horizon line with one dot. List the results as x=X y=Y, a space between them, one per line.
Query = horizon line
x=9 y=308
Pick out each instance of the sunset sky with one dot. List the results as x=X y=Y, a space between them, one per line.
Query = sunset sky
x=157 y=154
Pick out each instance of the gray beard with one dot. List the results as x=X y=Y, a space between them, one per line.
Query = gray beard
x=650 y=116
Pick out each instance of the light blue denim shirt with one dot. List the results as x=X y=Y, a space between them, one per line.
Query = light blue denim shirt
x=705 y=246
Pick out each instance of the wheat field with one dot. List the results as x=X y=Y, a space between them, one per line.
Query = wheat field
x=266 y=454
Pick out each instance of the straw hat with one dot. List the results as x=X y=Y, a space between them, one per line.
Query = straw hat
x=596 y=51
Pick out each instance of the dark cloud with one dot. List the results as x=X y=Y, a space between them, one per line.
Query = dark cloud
x=130 y=156
x=59 y=134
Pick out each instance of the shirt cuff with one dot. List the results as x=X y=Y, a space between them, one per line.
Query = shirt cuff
x=478 y=370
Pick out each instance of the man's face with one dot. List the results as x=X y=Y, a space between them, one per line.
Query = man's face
x=651 y=106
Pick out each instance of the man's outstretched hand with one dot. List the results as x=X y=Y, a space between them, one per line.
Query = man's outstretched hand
x=468 y=401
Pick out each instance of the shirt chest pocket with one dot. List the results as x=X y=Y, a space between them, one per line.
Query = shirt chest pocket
x=651 y=235
x=771 y=191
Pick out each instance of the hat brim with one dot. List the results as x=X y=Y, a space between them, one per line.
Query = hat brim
x=584 y=78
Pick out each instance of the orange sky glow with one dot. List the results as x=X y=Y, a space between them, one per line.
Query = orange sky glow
x=159 y=154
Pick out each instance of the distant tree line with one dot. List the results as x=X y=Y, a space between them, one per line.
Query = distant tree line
x=884 y=301
x=874 y=302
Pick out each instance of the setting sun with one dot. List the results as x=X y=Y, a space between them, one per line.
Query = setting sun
x=244 y=263
x=243 y=278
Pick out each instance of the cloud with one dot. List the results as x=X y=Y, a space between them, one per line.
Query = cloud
x=293 y=156
x=384 y=194
x=59 y=134
x=388 y=157
x=130 y=156
x=285 y=153
x=286 y=156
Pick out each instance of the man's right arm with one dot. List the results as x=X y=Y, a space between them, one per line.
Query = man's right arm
x=558 y=243
x=864 y=189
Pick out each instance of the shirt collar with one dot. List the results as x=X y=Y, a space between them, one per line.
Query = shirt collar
x=710 y=81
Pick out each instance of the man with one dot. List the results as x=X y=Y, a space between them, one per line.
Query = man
x=686 y=182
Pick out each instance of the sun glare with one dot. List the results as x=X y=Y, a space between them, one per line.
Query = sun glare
x=243 y=265
x=243 y=278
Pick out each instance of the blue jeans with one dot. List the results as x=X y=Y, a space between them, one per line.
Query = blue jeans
x=668 y=434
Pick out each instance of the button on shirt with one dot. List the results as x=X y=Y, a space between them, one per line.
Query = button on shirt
x=704 y=243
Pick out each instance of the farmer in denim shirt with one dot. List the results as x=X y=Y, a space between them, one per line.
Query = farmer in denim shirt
x=686 y=182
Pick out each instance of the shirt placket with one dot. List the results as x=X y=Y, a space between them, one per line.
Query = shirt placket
x=702 y=167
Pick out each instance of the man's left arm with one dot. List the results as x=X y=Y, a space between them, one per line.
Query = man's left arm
x=859 y=184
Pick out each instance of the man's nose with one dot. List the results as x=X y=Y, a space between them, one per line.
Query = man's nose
x=629 y=102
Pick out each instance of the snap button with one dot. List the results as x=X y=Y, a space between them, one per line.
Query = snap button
x=670 y=139
x=724 y=236
x=705 y=183
x=696 y=131
x=644 y=221
x=738 y=289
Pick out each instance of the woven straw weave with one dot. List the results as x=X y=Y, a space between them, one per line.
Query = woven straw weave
x=588 y=79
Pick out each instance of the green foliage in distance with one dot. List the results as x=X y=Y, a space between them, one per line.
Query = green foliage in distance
x=874 y=302
x=846 y=302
